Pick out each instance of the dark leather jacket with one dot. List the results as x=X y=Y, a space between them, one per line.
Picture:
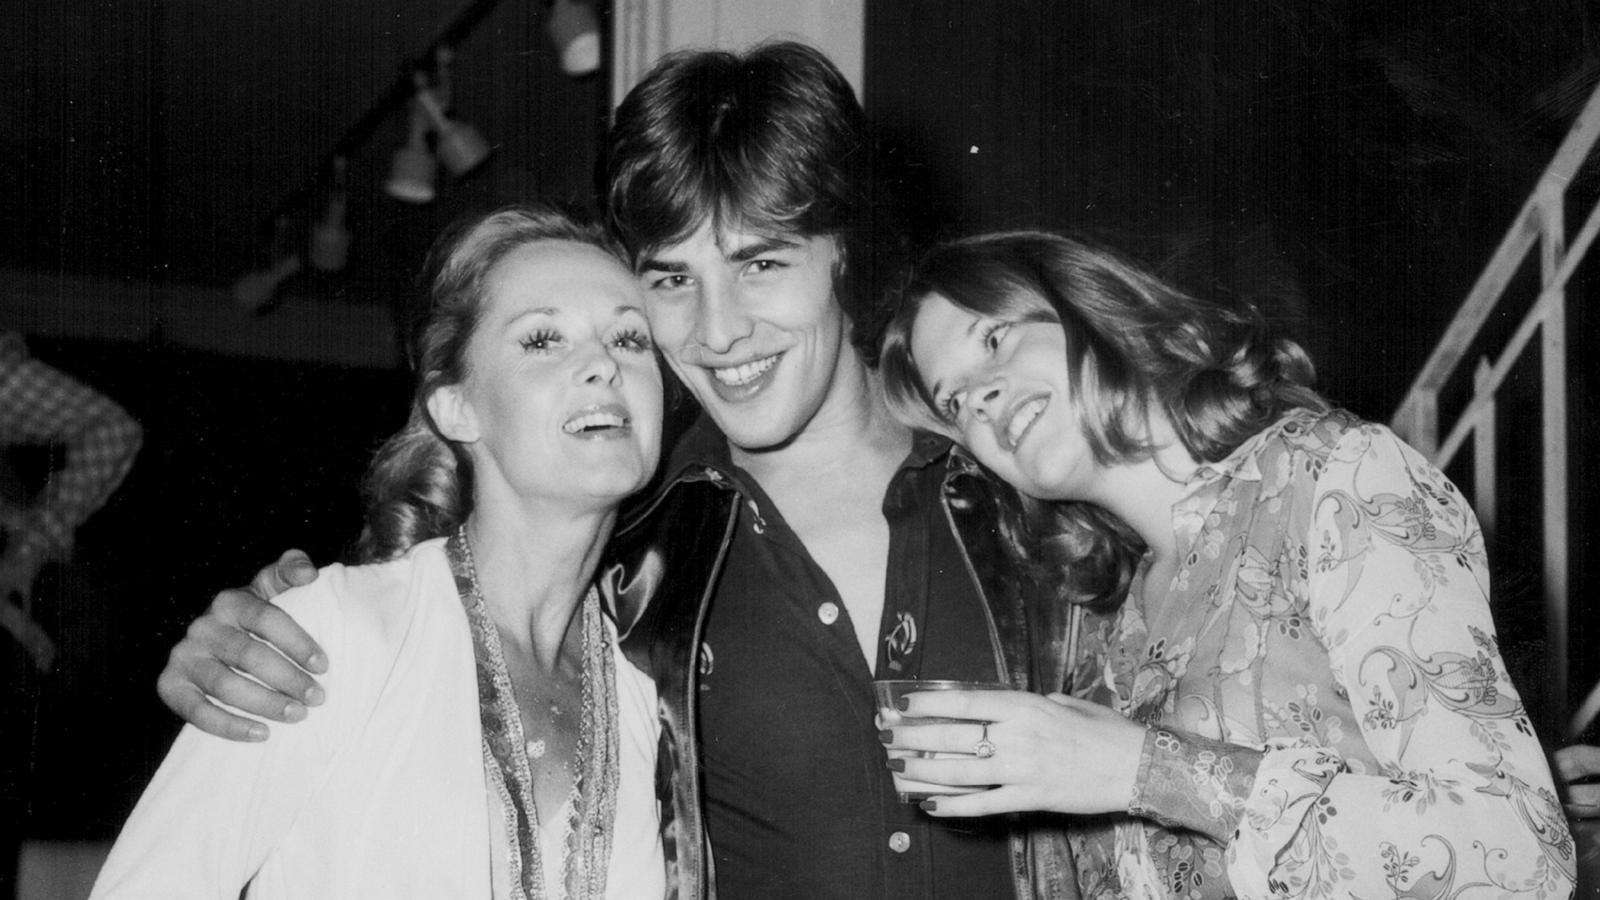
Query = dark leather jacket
x=660 y=573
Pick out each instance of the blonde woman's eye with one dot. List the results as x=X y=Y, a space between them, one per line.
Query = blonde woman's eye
x=541 y=341
x=633 y=340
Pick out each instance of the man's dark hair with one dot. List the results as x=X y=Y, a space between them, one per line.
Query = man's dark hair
x=772 y=140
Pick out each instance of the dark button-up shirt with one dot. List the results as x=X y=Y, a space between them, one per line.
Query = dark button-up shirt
x=799 y=802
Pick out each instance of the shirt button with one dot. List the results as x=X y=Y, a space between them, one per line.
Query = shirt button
x=828 y=613
x=899 y=842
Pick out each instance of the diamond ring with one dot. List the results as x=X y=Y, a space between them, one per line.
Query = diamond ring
x=984 y=748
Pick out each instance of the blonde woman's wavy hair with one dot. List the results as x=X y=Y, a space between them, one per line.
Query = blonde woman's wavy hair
x=419 y=485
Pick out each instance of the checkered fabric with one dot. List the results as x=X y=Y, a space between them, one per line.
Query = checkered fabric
x=43 y=405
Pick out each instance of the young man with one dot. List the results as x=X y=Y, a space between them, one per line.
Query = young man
x=802 y=542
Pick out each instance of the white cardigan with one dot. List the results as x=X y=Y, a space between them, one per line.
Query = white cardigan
x=381 y=791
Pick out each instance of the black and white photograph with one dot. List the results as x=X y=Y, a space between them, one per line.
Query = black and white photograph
x=799 y=449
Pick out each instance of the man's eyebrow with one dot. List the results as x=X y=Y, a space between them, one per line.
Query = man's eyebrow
x=653 y=264
x=762 y=246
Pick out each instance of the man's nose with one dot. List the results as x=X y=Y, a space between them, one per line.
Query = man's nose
x=721 y=317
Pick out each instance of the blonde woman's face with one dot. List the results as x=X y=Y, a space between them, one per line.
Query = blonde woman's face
x=562 y=398
x=1004 y=388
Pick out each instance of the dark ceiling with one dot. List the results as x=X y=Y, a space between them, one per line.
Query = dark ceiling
x=151 y=141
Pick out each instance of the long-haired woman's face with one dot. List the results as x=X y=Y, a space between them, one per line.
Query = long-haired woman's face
x=1004 y=388
x=562 y=396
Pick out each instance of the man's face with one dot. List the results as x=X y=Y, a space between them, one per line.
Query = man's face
x=750 y=324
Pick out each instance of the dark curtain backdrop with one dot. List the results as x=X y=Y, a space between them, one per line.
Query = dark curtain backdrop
x=1349 y=166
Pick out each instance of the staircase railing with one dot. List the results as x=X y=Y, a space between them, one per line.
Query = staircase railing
x=1542 y=221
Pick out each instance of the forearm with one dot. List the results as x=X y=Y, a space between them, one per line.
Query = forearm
x=1447 y=786
x=1313 y=827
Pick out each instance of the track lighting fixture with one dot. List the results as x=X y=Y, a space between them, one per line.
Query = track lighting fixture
x=330 y=239
x=434 y=137
x=456 y=144
x=255 y=290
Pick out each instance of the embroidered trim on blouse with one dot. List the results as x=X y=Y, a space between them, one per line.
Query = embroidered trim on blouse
x=592 y=810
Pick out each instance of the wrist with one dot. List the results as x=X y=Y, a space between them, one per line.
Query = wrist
x=1187 y=781
x=1142 y=763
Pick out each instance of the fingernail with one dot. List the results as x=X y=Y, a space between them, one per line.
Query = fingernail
x=929 y=805
x=257 y=732
x=903 y=704
x=314 y=696
x=293 y=712
x=897 y=765
x=317 y=663
x=886 y=737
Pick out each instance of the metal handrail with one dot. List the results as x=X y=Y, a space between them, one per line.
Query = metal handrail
x=1541 y=221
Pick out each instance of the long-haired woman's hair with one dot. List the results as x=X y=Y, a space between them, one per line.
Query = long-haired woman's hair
x=1135 y=344
x=419 y=485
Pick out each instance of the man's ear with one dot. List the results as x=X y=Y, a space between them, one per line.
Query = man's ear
x=448 y=406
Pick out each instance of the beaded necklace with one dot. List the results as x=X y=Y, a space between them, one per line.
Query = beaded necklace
x=586 y=837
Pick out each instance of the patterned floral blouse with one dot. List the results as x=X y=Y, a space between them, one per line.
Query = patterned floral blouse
x=1329 y=712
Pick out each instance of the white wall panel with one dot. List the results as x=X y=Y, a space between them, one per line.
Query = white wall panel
x=646 y=29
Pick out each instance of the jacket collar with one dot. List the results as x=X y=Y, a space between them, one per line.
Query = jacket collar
x=702 y=445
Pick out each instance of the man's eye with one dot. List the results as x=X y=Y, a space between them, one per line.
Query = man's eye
x=761 y=266
x=669 y=282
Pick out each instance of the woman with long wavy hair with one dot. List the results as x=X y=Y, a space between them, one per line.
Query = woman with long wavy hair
x=1300 y=691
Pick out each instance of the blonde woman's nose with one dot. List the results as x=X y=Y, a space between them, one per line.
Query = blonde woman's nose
x=600 y=367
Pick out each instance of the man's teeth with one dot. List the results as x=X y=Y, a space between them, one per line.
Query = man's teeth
x=1022 y=418
x=735 y=376
x=592 y=421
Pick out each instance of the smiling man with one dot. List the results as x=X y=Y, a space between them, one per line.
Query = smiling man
x=802 y=541
x=810 y=541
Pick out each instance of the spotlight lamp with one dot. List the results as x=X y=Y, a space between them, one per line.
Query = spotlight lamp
x=574 y=29
x=413 y=169
x=458 y=145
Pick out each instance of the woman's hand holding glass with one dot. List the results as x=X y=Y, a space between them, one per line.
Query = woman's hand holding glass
x=1053 y=753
